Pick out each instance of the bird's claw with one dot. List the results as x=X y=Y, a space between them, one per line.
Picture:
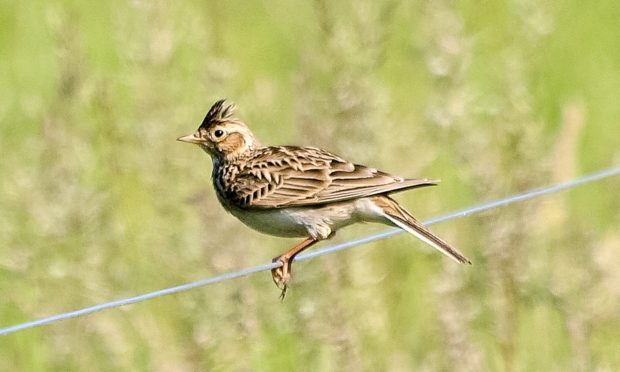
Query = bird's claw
x=281 y=275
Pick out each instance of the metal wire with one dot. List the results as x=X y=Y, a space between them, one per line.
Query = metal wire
x=338 y=247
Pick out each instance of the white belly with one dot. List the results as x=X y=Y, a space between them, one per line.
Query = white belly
x=317 y=222
x=276 y=222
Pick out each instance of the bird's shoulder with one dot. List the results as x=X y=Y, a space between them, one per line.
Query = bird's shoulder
x=276 y=175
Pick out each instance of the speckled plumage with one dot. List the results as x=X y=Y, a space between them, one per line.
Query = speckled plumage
x=300 y=191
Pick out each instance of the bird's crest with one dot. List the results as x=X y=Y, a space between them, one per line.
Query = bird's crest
x=218 y=113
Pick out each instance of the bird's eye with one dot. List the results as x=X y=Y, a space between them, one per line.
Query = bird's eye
x=218 y=133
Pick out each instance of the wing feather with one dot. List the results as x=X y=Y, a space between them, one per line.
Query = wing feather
x=287 y=176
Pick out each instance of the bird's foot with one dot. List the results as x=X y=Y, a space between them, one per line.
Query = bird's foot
x=281 y=275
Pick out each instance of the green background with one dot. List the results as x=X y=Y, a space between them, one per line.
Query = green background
x=98 y=201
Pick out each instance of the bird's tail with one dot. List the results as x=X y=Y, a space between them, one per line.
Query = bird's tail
x=403 y=219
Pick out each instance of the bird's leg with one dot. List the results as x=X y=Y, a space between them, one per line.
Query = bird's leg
x=282 y=274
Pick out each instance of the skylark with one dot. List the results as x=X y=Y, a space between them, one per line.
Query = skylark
x=293 y=191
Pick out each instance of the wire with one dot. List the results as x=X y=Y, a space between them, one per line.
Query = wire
x=335 y=248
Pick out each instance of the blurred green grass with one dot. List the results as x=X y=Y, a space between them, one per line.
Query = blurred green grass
x=97 y=200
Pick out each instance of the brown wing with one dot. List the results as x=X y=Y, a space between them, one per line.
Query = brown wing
x=290 y=176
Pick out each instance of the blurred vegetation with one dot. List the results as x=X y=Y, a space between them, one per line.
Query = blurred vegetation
x=98 y=201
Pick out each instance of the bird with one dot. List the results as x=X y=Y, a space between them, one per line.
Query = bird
x=300 y=191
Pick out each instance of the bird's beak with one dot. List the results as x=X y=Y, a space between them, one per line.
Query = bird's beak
x=191 y=138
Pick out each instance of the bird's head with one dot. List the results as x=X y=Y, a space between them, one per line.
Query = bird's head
x=221 y=134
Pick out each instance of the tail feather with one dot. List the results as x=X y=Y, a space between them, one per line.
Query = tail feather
x=403 y=219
